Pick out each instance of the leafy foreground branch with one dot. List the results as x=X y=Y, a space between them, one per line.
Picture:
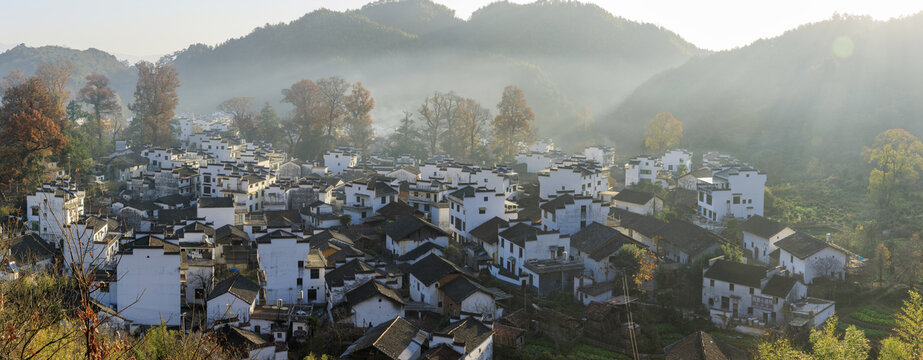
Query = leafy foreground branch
x=827 y=344
x=41 y=318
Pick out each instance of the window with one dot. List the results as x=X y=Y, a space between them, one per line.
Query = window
x=383 y=200
x=482 y=210
x=712 y=282
x=751 y=291
x=315 y=273
x=708 y=199
x=749 y=311
x=736 y=199
x=312 y=294
x=485 y=198
x=104 y=287
x=520 y=252
x=300 y=264
x=299 y=281
x=731 y=287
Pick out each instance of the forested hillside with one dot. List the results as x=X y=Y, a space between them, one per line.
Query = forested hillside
x=807 y=100
x=85 y=62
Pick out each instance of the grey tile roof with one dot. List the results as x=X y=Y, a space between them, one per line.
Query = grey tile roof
x=736 y=273
x=762 y=227
x=239 y=286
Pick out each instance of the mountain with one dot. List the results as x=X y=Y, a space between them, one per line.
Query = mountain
x=816 y=94
x=563 y=54
x=90 y=61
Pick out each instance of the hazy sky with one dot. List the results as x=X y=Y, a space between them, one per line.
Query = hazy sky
x=152 y=28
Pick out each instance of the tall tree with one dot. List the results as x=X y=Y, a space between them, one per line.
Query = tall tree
x=241 y=115
x=895 y=158
x=827 y=344
x=359 y=130
x=882 y=260
x=269 y=125
x=779 y=350
x=12 y=78
x=155 y=102
x=513 y=125
x=636 y=263
x=29 y=130
x=663 y=132
x=102 y=100
x=332 y=108
x=909 y=324
x=468 y=126
x=434 y=118
x=55 y=76
x=304 y=95
x=406 y=139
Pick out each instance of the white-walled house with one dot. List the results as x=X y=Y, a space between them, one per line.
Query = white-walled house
x=469 y=337
x=469 y=207
x=582 y=178
x=809 y=257
x=760 y=236
x=641 y=168
x=397 y=339
x=522 y=242
x=638 y=202
x=427 y=275
x=149 y=282
x=234 y=297
x=339 y=160
x=52 y=207
x=568 y=214
x=218 y=210
x=602 y=155
x=408 y=232
x=733 y=191
x=314 y=284
x=409 y=174
x=595 y=245
x=534 y=161
x=463 y=295
x=677 y=161
x=732 y=290
x=371 y=304
x=364 y=198
x=281 y=257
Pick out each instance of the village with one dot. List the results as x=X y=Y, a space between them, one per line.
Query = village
x=384 y=257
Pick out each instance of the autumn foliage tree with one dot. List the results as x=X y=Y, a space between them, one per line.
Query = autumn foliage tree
x=242 y=116
x=359 y=130
x=468 y=127
x=895 y=157
x=55 y=76
x=436 y=115
x=102 y=100
x=30 y=128
x=155 y=102
x=513 y=124
x=663 y=132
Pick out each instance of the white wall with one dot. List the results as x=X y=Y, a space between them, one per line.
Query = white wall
x=375 y=310
x=279 y=260
x=806 y=267
x=218 y=308
x=149 y=287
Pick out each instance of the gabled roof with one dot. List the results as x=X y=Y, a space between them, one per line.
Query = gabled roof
x=688 y=237
x=461 y=288
x=779 y=286
x=150 y=242
x=462 y=193
x=240 y=340
x=645 y=225
x=369 y=289
x=801 y=245
x=171 y=216
x=633 y=196
x=198 y=227
x=408 y=225
x=397 y=208
x=215 y=202
x=30 y=248
x=736 y=273
x=174 y=199
x=702 y=346
x=488 y=231
x=277 y=234
x=597 y=239
x=390 y=338
x=468 y=331
x=230 y=231
x=327 y=236
x=432 y=268
x=419 y=251
x=382 y=189
x=441 y=352
x=557 y=203
x=520 y=233
x=237 y=285
x=762 y=227
x=336 y=277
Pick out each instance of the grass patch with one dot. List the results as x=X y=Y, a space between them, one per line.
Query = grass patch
x=874 y=317
x=590 y=352
x=871 y=334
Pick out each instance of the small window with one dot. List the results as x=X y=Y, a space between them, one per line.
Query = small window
x=315 y=273
x=299 y=281
x=482 y=210
x=712 y=283
x=751 y=291
x=731 y=287
x=300 y=264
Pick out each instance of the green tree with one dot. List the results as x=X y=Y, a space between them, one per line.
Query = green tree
x=75 y=112
x=103 y=101
x=827 y=344
x=269 y=125
x=882 y=260
x=895 y=158
x=732 y=252
x=909 y=327
x=406 y=139
x=779 y=350
x=894 y=349
x=663 y=132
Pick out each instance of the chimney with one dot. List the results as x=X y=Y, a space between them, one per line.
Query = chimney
x=279 y=303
